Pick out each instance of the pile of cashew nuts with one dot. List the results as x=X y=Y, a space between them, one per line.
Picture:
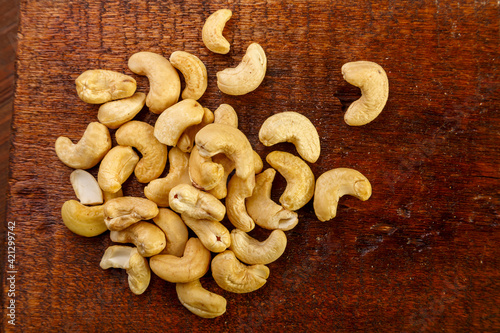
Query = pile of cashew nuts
x=213 y=172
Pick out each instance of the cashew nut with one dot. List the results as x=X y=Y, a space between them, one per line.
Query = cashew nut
x=374 y=84
x=263 y=210
x=194 y=72
x=136 y=266
x=176 y=119
x=238 y=190
x=213 y=234
x=299 y=179
x=186 y=140
x=204 y=173
x=175 y=231
x=211 y=33
x=250 y=251
x=335 y=183
x=86 y=188
x=164 y=82
x=232 y=275
x=140 y=135
x=193 y=264
x=247 y=76
x=83 y=220
x=89 y=151
x=225 y=114
x=200 y=301
x=116 y=113
x=148 y=238
x=120 y=213
x=220 y=189
x=99 y=86
x=187 y=200
x=158 y=190
x=116 y=167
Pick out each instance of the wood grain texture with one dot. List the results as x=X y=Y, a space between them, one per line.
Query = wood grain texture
x=420 y=255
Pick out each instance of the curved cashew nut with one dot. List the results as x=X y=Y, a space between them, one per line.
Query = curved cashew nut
x=247 y=76
x=238 y=190
x=120 y=213
x=231 y=275
x=116 y=167
x=189 y=201
x=250 y=251
x=93 y=145
x=140 y=135
x=299 y=179
x=186 y=140
x=136 y=266
x=204 y=173
x=335 y=183
x=213 y=234
x=175 y=231
x=176 y=119
x=83 y=220
x=263 y=210
x=164 y=82
x=374 y=84
x=211 y=33
x=220 y=189
x=225 y=114
x=116 y=113
x=193 y=264
x=147 y=237
x=194 y=72
x=200 y=301
x=86 y=188
x=99 y=86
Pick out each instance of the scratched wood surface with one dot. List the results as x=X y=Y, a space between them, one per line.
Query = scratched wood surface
x=420 y=255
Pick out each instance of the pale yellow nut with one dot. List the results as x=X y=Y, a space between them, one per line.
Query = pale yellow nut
x=116 y=167
x=139 y=135
x=200 y=301
x=147 y=237
x=116 y=113
x=247 y=76
x=204 y=173
x=93 y=145
x=194 y=72
x=231 y=275
x=99 y=86
x=292 y=127
x=86 y=188
x=335 y=183
x=186 y=140
x=374 y=84
x=193 y=264
x=175 y=230
x=164 y=81
x=83 y=220
x=188 y=200
x=238 y=190
x=225 y=114
x=251 y=251
x=120 y=213
x=299 y=179
x=213 y=234
x=211 y=33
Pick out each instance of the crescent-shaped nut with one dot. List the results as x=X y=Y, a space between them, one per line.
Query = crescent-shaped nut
x=139 y=134
x=175 y=230
x=211 y=33
x=247 y=76
x=371 y=78
x=83 y=220
x=120 y=213
x=335 y=183
x=250 y=251
x=93 y=145
x=200 y=301
x=193 y=264
x=86 y=188
x=213 y=234
x=189 y=201
x=164 y=81
x=263 y=210
x=231 y=275
x=299 y=179
x=204 y=173
x=99 y=86
x=225 y=114
x=116 y=113
x=176 y=119
x=116 y=167
x=194 y=72
x=148 y=238
x=186 y=140
x=292 y=127
x=238 y=190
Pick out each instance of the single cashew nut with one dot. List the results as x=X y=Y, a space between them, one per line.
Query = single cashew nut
x=83 y=220
x=299 y=179
x=211 y=33
x=89 y=151
x=136 y=266
x=213 y=234
x=175 y=230
x=189 y=201
x=374 y=84
x=120 y=213
x=86 y=188
x=335 y=183
x=292 y=127
x=250 y=251
x=164 y=82
x=220 y=189
x=231 y=275
x=194 y=72
x=238 y=190
x=200 y=301
x=186 y=140
x=99 y=86
x=116 y=167
x=225 y=114
x=247 y=76
x=140 y=135
x=116 y=113
x=193 y=264
x=204 y=173
x=148 y=238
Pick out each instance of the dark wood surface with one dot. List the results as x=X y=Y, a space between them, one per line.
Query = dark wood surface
x=420 y=255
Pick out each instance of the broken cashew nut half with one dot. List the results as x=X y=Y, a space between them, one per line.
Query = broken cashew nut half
x=194 y=72
x=250 y=251
x=211 y=33
x=86 y=188
x=200 y=301
x=99 y=86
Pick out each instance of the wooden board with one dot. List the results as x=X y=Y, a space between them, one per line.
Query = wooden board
x=420 y=255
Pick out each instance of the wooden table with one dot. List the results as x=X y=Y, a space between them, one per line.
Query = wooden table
x=420 y=255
